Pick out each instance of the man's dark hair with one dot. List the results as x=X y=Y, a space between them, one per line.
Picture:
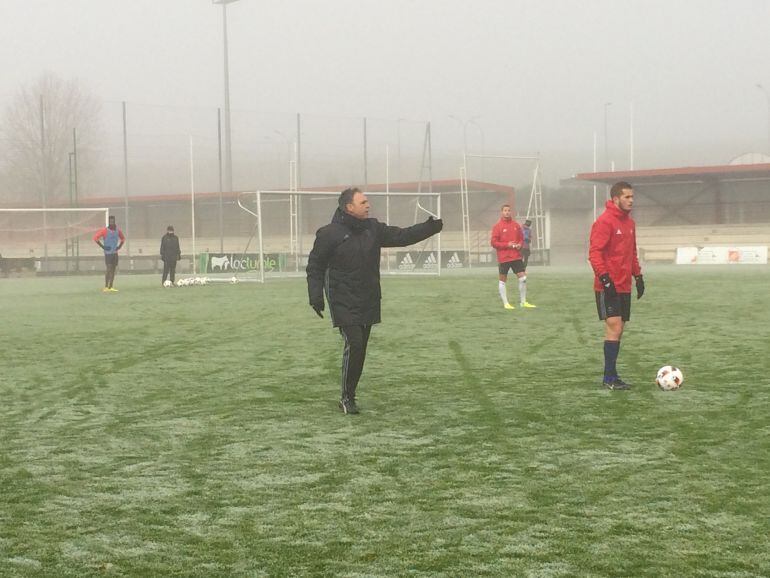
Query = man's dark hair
x=170 y=228
x=505 y=205
x=617 y=188
x=346 y=197
x=112 y=218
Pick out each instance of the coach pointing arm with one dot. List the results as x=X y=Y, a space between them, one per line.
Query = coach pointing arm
x=401 y=237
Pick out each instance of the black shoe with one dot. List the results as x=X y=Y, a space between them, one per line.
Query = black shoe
x=348 y=406
x=616 y=383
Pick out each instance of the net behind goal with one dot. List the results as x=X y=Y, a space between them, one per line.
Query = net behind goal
x=285 y=223
x=49 y=232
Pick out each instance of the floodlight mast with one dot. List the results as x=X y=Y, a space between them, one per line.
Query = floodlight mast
x=228 y=136
x=767 y=97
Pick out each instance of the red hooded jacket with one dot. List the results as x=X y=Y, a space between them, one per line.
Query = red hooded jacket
x=613 y=248
x=505 y=231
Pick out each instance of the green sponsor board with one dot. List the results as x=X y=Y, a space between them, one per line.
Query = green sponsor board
x=240 y=263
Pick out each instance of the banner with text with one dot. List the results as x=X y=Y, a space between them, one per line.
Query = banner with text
x=238 y=263
x=721 y=255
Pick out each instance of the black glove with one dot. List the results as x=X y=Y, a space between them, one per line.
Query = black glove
x=437 y=224
x=639 y=286
x=609 y=286
x=318 y=307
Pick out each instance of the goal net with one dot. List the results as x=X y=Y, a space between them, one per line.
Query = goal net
x=48 y=232
x=285 y=223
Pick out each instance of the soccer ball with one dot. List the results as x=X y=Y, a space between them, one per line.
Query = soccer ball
x=168 y=283
x=180 y=283
x=234 y=280
x=669 y=378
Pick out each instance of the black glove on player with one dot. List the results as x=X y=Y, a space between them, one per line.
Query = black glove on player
x=639 y=286
x=609 y=286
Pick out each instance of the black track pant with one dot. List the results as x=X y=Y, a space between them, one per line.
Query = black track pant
x=169 y=270
x=353 y=356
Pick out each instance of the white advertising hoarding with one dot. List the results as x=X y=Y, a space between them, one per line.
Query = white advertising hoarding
x=721 y=255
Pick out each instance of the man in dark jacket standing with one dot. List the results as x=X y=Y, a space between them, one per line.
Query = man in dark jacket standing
x=170 y=254
x=345 y=265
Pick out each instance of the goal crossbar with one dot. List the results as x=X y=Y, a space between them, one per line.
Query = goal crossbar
x=294 y=220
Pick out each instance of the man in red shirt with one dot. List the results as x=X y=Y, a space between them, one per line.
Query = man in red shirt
x=612 y=254
x=507 y=239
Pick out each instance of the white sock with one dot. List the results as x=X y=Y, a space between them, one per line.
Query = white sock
x=522 y=289
x=501 y=290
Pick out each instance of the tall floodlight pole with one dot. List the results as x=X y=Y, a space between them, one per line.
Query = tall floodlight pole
x=606 y=140
x=631 y=137
x=464 y=124
x=594 y=172
x=767 y=98
x=398 y=145
x=481 y=131
x=483 y=146
x=228 y=135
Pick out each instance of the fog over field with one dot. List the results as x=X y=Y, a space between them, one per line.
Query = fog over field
x=503 y=76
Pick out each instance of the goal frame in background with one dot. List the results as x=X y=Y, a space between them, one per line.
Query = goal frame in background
x=293 y=199
x=58 y=210
x=535 y=211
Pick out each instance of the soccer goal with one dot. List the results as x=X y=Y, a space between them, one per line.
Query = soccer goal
x=535 y=212
x=285 y=223
x=50 y=237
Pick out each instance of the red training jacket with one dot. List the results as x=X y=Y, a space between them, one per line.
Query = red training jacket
x=104 y=231
x=503 y=233
x=613 y=248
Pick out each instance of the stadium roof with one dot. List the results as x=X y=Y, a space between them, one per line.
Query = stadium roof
x=680 y=175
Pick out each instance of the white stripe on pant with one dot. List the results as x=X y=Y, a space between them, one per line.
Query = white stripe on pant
x=353 y=357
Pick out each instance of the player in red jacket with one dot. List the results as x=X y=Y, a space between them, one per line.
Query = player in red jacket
x=507 y=239
x=612 y=254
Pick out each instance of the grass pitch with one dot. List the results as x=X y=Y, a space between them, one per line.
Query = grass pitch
x=194 y=431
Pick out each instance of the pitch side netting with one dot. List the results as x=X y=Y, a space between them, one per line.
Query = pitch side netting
x=285 y=223
x=49 y=232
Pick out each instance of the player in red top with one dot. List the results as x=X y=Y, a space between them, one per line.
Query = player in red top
x=612 y=254
x=507 y=239
x=111 y=240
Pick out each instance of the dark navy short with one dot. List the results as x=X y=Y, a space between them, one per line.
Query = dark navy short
x=516 y=266
x=620 y=306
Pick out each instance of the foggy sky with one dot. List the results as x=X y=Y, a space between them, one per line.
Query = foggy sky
x=537 y=73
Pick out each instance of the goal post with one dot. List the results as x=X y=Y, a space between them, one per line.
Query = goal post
x=286 y=222
x=535 y=212
x=47 y=234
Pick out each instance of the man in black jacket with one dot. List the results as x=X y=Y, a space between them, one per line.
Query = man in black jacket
x=345 y=265
x=170 y=254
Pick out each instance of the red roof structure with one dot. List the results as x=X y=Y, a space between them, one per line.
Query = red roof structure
x=656 y=177
x=735 y=193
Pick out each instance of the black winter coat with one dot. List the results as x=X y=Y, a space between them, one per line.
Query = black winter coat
x=345 y=265
x=169 y=248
